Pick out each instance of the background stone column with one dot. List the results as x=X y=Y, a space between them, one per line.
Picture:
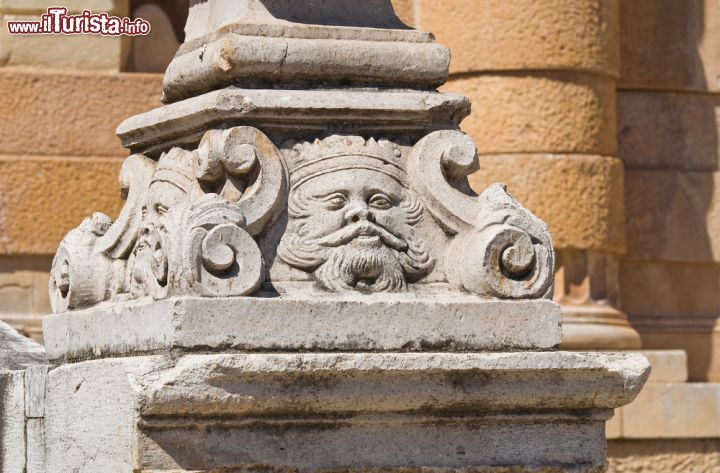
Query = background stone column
x=542 y=77
x=669 y=117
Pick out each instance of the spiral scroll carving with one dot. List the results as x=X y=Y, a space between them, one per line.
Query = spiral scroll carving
x=224 y=261
x=80 y=276
x=188 y=227
x=508 y=254
x=499 y=249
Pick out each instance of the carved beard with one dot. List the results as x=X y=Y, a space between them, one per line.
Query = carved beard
x=357 y=266
x=362 y=257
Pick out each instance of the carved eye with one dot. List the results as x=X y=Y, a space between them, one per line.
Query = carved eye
x=161 y=209
x=380 y=201
x=335 y=201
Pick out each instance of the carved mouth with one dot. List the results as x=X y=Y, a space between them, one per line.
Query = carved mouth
x=372 y=241
x=363 y=232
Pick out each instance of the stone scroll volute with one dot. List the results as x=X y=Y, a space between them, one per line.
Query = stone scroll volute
x=358 y=212
x=500 y=249
x=188 y=226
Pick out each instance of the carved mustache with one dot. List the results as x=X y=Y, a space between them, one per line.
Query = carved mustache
x=362 y=229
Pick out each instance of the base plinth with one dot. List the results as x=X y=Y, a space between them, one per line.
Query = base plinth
x=310 y=323
x=489 y=412
x=597 y=328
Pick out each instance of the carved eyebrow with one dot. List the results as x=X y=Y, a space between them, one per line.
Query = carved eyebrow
x=330 y=196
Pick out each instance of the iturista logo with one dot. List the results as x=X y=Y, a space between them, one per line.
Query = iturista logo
x=57 y=21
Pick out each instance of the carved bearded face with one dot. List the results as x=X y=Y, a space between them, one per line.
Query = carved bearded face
x=353 y=228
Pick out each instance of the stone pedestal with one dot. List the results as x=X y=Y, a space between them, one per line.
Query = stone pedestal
x=184 y=385
x=493 y=412
x=303 y=280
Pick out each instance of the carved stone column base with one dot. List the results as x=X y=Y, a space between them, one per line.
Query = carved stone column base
x=586 y=286
x=590 y=328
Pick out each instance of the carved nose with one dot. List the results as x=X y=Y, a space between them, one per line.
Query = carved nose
x=357 y=214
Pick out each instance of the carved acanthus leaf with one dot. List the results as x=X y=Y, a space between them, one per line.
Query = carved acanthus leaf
x=198 y=250
x=500 y=249
x=187 y=226
x=135 y=176
x=245 y=152
x=81 y=277
x=437 y=167
x=508 y=254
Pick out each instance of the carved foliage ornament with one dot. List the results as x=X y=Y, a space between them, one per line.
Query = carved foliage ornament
x=357 y=209
x=187 y=228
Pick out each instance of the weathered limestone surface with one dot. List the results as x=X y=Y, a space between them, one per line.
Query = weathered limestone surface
x=308 y=322
x=301 y=277
x=18 y=352
x=304 y=111
x=17 y=396
x=12 y=421
x=348 y=43
x=193 y=409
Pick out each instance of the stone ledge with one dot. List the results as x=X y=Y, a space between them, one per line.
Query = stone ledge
x=483 y=412
x=664 y=411
x=299 y=111
x=246 y=59
x=305 y=323
x=668 y=366
x=499 y=383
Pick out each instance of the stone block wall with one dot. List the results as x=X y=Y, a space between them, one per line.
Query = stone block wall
x=61 y=99
x=669 y=117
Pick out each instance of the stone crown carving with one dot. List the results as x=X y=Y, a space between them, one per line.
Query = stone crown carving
x=344 y=213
